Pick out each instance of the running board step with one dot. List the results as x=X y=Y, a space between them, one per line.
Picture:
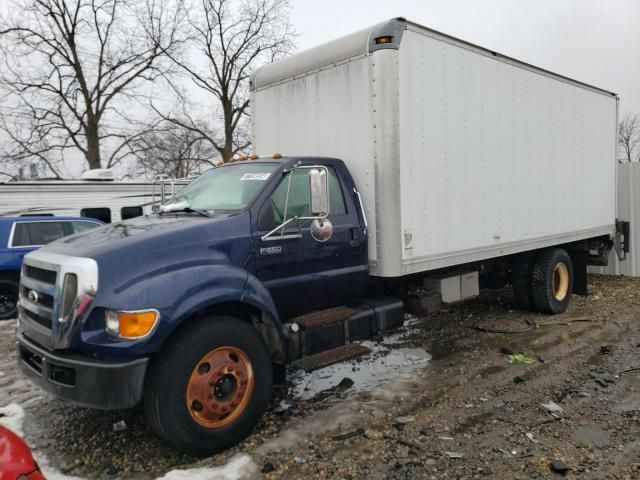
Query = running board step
x=330 y=357
x=326 y=330
x=324 y=317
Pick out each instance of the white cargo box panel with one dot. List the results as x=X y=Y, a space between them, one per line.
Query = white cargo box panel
x=453 y=287
x=447 y=285
x=469 y=285
x=460 y=154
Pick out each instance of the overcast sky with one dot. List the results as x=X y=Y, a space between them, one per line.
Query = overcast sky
x=594 y=41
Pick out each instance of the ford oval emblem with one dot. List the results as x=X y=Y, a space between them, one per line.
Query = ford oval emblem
x=33 y=296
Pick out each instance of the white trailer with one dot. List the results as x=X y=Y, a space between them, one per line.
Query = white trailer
x=461 y=154
x=109 y=201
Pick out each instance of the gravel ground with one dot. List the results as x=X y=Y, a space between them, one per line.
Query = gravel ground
x=466 y=413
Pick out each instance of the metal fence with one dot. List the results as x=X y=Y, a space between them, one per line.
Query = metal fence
x=628 y=209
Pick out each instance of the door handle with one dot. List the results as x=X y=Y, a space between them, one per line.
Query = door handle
x=354 y=238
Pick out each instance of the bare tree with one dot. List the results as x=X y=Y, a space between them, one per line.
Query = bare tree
x=629 y=136
x=172 y=151
x=69 y=66
x=230 y=37
x=25 y=143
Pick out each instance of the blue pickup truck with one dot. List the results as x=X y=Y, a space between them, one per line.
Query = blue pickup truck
x=21 y=235
x=196 y=310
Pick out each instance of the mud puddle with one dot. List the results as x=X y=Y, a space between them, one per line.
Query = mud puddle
x=388 y=366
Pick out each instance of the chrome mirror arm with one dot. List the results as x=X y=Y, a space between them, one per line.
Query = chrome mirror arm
x=282 y=236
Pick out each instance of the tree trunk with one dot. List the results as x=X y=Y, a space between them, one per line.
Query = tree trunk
x=93 y=147
x=227 y=108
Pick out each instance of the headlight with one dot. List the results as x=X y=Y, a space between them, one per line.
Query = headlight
x=112 y=322
x=131 y=325
x=69 y=292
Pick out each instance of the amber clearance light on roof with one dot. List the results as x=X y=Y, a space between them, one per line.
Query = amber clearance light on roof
x=385 y=39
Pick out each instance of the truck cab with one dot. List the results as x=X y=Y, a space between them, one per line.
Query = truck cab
x=193 y=308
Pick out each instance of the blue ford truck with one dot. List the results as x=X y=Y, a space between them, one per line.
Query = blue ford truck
x=195 y=311
x=189 y=310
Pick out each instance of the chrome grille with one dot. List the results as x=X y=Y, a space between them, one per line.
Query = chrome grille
x=37 y=294
x=43 y=299
x=40 y=274
x=39 y=319
x=40 y=301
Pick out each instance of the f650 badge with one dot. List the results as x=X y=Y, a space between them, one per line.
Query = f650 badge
x=271 y=250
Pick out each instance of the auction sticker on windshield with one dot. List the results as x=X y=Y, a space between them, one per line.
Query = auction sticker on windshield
x=255 y=176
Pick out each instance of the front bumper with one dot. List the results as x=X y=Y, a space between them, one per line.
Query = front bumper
x=89 y=383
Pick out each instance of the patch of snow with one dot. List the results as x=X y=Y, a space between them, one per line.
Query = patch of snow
x=411 y=325
x=299 y=430
x=12 y=416
x=52 y=473
x=241 y=466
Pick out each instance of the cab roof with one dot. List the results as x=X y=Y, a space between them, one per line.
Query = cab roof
x=288 y=161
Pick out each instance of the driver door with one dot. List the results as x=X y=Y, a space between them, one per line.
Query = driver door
x=301 y=273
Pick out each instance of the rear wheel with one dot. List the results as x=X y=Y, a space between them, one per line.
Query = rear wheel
x=552 y=281
x=8 y=296
x=521 y=282
x=210 y=386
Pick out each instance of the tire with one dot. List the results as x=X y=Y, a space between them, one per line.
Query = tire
x=552 y=281
x=183 y=374
x=8 y=296
x=521 y=282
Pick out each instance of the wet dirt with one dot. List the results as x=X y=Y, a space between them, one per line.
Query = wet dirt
x=437 y=399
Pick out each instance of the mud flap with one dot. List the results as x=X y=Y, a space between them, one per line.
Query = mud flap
x=622 y=239
x=580 y=260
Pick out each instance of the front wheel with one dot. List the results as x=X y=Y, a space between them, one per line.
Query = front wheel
x=210 y=386
x=552 y=281
x=8 y=297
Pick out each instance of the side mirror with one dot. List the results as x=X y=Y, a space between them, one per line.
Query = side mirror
x=319 y=190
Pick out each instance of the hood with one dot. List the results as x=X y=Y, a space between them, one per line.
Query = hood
x=145 y=244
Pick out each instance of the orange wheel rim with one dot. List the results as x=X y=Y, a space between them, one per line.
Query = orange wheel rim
x=560 y=281
x=220 y=387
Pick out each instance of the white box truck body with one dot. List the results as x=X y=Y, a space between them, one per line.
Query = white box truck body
x=461 y=154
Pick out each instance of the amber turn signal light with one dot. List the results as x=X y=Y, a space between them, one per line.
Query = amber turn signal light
x=137 y=324
x=131 y=325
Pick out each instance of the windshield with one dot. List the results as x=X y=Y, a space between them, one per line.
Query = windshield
x=227 y=189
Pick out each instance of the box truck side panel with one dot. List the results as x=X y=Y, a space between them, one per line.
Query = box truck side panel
x=497 y=158
x=326 y=112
